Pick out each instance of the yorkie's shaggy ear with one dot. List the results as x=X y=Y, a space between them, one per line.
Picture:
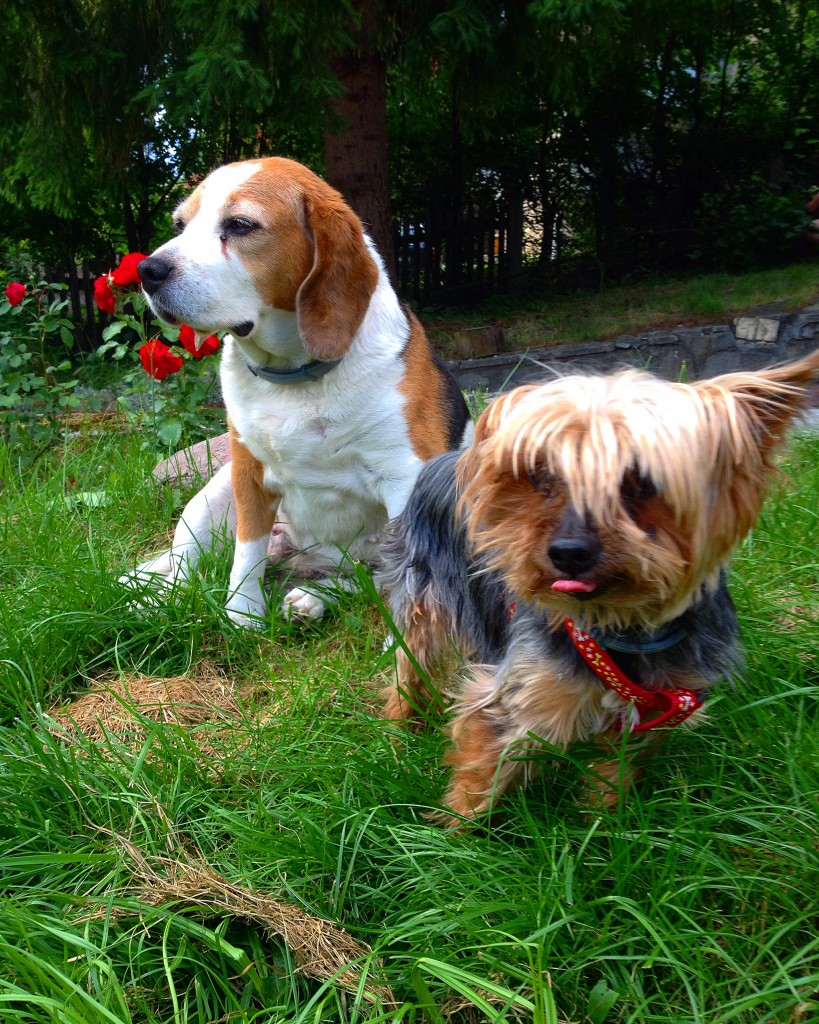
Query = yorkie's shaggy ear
x=497 y=412
x=488 y=424
x=761 y=406
x=747 y=417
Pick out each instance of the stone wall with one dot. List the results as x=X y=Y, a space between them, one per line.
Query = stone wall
x=750 y=343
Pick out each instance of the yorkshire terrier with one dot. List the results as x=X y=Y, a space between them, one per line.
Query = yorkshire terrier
x=574 y=556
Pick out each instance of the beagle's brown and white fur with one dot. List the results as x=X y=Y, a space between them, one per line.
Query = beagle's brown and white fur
x=334 y=397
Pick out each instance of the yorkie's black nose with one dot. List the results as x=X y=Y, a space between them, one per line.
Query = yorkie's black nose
x=574 y=557
x=153 y=272
x=575 y=547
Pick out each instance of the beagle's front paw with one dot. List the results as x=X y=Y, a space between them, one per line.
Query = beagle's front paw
x=246 y=610
x=301 y=604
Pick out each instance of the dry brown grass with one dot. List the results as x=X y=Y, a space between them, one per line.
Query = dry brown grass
x=124 y=707
x=320 y=949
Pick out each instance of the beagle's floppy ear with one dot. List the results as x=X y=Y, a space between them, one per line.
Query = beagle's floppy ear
x=333 y=298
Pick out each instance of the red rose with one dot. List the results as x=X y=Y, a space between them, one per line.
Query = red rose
x=103 y=296
x=15 y=293
x=158 y=360
x=187 y=339
x=126 y=273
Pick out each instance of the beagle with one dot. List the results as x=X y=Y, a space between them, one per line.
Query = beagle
x=334 y=397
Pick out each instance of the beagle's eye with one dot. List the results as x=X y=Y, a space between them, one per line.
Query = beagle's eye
x=178 y=225
x=237 y=227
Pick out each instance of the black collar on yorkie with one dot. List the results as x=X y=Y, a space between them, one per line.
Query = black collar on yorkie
x=610 y=501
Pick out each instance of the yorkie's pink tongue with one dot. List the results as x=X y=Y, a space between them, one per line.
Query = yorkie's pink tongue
x=574 y=586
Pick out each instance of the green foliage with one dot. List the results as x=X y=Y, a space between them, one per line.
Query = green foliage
x=81 y=153
x=36 y=386
x=748 y=225
x=108 y=108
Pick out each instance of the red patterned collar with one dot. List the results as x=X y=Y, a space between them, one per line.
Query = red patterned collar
x=674 y=706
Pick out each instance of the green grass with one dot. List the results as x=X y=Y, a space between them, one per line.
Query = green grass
x=694 y=903
x=633 y=308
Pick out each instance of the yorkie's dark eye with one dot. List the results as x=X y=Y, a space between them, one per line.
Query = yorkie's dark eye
x=635 y=490
x=542 y=481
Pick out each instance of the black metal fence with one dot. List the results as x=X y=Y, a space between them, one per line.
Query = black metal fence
x=451 y=259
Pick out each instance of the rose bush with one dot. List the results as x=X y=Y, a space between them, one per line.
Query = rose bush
x=168 y=379
x=36 y=383
x=182 y=408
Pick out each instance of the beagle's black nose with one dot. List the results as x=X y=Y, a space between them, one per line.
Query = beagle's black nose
x=153 y=272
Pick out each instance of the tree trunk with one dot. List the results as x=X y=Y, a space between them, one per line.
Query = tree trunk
x=355 y=142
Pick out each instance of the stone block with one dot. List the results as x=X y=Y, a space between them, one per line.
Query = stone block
x=474 y=342
x=756 y=328
x=581 y=350
x=719 y=362
x=701 y=347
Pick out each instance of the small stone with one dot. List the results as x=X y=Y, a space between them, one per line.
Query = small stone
x=200 y=461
